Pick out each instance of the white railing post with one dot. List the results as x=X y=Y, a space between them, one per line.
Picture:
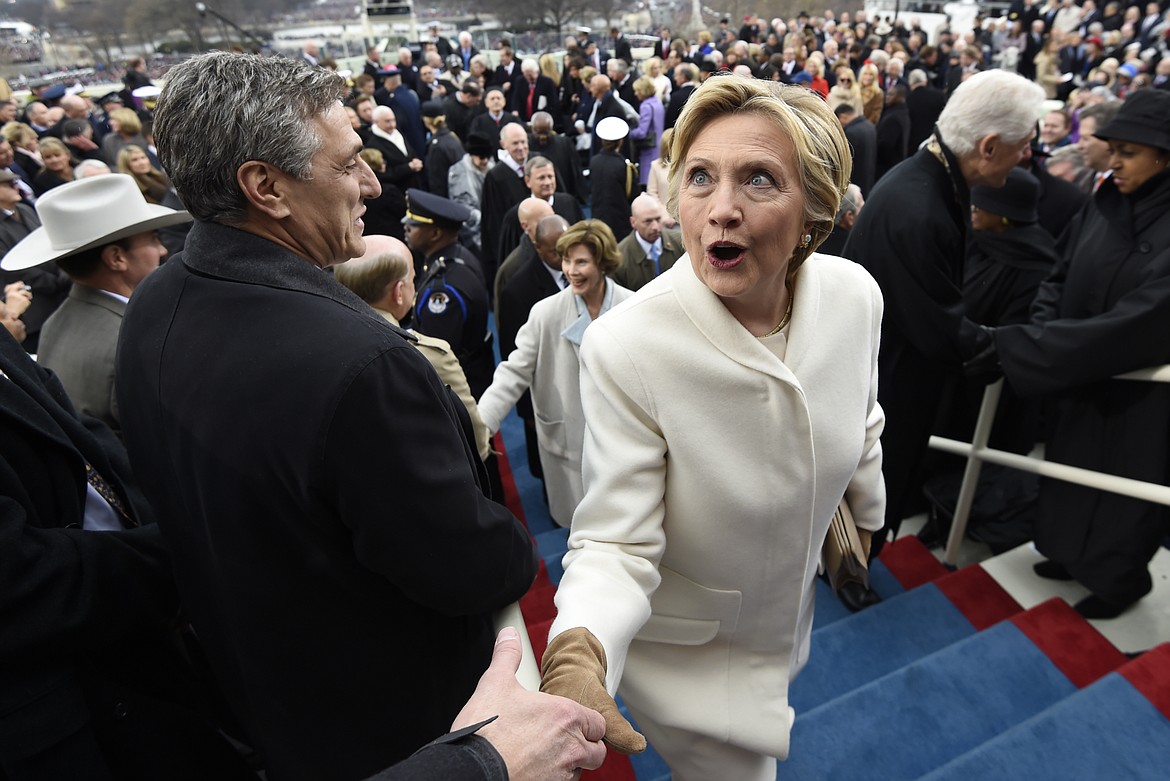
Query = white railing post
x=976 y=452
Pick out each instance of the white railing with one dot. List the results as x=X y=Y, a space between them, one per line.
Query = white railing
x=977 y=452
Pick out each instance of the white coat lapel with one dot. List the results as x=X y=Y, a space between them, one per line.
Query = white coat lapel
x=722 y=330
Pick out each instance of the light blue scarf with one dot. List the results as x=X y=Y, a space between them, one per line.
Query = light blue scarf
x=576 y=331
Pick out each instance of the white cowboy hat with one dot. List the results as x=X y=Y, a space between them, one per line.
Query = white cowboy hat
x=88 y=213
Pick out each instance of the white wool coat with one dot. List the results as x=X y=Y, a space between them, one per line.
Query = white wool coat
x=711 y=472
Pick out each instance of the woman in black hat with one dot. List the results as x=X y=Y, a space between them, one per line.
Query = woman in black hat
x=1008 y=254
x=1106 y=311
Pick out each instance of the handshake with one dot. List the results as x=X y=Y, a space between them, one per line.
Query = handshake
x=550 y=737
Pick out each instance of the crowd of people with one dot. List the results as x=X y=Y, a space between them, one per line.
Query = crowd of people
x=228 y=476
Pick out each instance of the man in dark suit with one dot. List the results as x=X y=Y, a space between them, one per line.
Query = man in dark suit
x=503 y=188
x=621 y=46
x=924 y=103
x=306 y=460
x=540 y=177
x=862 y=137
x=686 y=80
x=534 y=281
x=532 y=92
x=466 y=50
x=373 y=62
x=622 y=81
x=91 y=684
x=403 y=163
x=507 y=71
x=893 y=132
x=544 y=141
x=1032 y=46
x=662 y=44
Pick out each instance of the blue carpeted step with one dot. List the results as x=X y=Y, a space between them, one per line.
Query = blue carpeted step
x=878 y=640
x=923 y=715
x=1108 y=730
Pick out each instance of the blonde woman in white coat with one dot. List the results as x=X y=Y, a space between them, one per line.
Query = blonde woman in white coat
x=546 y=362
x=729 y=405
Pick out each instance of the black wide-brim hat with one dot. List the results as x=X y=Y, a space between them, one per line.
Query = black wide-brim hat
x=1144 y=118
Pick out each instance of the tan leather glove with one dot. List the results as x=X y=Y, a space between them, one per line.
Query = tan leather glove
x=574 y=667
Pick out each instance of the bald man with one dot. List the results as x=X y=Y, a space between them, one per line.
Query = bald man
x=529 y=212
x=384 y=278
x=650 y=248
x=537 y=278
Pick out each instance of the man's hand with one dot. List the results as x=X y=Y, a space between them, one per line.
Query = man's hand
x=415 y=164
x=17 y=298
x=538 y=735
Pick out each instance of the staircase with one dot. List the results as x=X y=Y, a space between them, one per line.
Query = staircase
x=949 y=677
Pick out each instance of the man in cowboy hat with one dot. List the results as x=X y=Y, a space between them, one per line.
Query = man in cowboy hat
x=104 y=235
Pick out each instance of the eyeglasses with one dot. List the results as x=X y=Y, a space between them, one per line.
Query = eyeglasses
x=14 y=184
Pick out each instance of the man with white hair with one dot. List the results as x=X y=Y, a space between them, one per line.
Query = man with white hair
x=912 y=236
x=851 y=204
x=466 y=49
x=533 y=91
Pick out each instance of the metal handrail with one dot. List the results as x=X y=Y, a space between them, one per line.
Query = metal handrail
x=976 y=452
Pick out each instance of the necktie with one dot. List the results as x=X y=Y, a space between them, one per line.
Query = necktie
x=531 y=92
x=106 y=491
x=563 y=281
x=655 y=253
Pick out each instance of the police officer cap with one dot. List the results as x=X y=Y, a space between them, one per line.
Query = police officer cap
x=389 y=70
x=423 y=208
x=55 y=92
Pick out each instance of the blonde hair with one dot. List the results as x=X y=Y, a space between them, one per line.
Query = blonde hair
x=549 y=67
x=644 y=87
x=128 y=122
x=598 y=237
x=374 y=158
x=52 y=146
x=18 y=133
x=823 y=158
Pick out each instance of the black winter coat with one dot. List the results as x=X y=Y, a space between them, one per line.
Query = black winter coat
x=1104 y=311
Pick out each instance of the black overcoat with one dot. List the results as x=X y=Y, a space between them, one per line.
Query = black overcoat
x=321 y=490
x=1104 y=311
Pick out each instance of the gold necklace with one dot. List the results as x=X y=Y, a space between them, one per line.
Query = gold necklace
x=783 y=321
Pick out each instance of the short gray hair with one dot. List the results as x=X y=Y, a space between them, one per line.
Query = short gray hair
x=993 y=102
x=849 y=203
x=917 y=76
x=221 y=110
